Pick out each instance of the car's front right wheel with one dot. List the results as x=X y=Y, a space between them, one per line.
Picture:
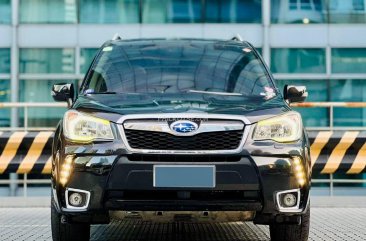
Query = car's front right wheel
x=291 y=232
x=67 y=232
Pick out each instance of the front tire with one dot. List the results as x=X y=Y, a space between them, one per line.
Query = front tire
x=291 y=232
x=67 y=232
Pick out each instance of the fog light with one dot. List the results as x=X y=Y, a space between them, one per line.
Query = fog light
x=289 y=200
x=76 y=199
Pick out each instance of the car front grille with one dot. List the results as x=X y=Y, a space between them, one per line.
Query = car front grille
x=151 y=140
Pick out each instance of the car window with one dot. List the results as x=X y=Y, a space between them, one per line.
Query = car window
x=171 y=67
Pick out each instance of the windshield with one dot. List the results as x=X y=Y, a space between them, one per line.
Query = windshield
x=172 y=67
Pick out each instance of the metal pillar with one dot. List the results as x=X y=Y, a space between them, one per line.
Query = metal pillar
x=266 y=22
x=14 y=118
x=331 y=185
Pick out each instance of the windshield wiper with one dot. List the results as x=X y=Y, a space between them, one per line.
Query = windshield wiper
x=102 y=93
x=214 y=93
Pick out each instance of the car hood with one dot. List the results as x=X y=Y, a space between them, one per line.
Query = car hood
x=111 y=107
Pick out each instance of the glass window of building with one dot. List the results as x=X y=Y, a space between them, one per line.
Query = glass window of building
x=47 y=60
x=5 y=12
x=4 y=97
x=293 y=60
x=350 y=11
x=347 y=60
x=318 y=91
x=298 y=11
x=233 y=11
x=171 y=11
x=39 y=91
x=348 y=90
x=111 y=11
x=46 y=11
x=86 y=57
x=4 y=61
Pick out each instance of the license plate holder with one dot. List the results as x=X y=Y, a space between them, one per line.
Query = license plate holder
x=185 y=176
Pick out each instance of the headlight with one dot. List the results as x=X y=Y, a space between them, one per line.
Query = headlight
x=83 y=128
x=285 y=128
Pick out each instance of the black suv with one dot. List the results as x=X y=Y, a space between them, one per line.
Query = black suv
x=180 y=130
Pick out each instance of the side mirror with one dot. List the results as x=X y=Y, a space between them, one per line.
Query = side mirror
x=294 y=94
x=63 y=92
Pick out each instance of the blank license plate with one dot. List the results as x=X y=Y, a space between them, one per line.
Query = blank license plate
x=184 y=176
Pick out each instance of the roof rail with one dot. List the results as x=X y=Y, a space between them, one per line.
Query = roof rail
x=116 y=37
x=237 y=37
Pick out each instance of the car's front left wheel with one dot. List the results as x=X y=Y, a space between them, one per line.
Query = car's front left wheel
x=67 y=232
x=291 y=232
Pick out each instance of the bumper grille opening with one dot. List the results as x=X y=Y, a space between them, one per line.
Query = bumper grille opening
x=221 y=140
x=194 y=195
x=184 y=158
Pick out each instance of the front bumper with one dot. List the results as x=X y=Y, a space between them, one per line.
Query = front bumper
x=120 y=182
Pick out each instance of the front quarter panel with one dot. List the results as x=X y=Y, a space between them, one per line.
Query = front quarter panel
x=275 y=168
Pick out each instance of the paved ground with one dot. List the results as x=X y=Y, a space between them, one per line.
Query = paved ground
x=326 y=224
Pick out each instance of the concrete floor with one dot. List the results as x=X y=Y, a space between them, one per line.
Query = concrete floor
x=33 y=224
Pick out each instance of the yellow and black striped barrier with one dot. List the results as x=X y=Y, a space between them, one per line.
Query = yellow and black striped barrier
x=25 y=152
x=331 y=152
x=338 y=151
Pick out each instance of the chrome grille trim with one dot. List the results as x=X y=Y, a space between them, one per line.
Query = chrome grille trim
x=159 y=126
x=136 y=117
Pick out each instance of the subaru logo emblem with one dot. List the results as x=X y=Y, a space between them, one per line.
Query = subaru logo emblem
x=183 y=127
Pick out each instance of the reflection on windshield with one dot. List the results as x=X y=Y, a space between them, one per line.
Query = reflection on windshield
x=177 y=66
x=213 y=93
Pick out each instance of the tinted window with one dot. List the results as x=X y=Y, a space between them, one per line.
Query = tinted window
x=171 y=11
x=349 y=60
x=293 y=60
x=348 y=90
x=341 y=11
x=45 y=11
x=55 y=60
x=233 y=11
x=298 y=11
x=111 y=11
x=4 y=97
x=4 y=61
x=176 y=67
x=5 y=11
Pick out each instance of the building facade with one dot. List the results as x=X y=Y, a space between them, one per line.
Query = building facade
x=317 y=43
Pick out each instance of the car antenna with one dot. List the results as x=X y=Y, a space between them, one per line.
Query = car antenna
x=116 y=37
x=237 y=37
